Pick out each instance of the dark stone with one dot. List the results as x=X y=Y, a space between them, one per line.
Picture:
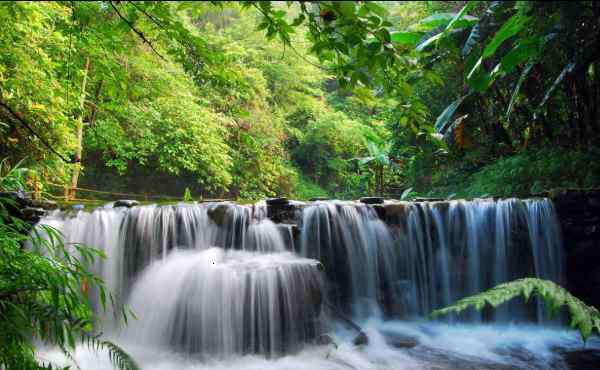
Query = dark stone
x=283 y=212
x=371 y=200
x=399 y=340
x=579 y=216
x=217 y=213
x=325 y=340
x=277 y=201
x=584 y=359
x=126 y=203
x=395 y=213
x=33 y=214
x=380 y=210
x=316 y=199
x=361 y=339
x=17 y=197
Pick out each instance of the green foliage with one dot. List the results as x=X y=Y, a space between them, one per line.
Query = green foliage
x=307 y=189
x=520 y=175
x=187 y=196
x=584 y=318
x=12 y=178
x=43 y=294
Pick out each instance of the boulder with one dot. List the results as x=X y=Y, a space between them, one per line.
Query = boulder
x=126 y=203
x=277 y=201
x=399 y=340
x=218 y=213
x=588 y=359
x=371 y=200
x=324 y=340
x=33 y=214
x=361 y=339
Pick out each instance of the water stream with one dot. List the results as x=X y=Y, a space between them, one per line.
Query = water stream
x=219 y=285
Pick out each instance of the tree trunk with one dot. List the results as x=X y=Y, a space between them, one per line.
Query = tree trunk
x=79 y=128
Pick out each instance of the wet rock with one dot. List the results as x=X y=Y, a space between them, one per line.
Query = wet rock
x=126 y=203
x=371 y=200
x=399 y=340
x=316 y=199
x=325 y=340
x=361 y=339
x=395 y=213
x=380 y=210
x=587 y=359
x=280 y=210
x=218 y=213
x=33 y=214
x=277 y=201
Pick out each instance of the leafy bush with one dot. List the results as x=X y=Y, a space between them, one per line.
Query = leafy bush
x=583 y=317
x=43 y=295
x=306 y=189
x=520 y=175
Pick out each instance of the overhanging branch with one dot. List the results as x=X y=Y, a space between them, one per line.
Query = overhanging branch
x=25 y=124
x=138 y=32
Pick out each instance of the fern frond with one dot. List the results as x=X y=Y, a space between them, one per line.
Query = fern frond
x=118 y=357
x=584 y=318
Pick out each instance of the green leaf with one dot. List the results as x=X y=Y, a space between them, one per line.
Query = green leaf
x=444 y=19
x=443 y=119
x=583 y=317
x=406 y=37
x=380 y=11
x=568 y=69
x=515 y=93
x=510 y=28
x=472 y=40
x=459 y=16
x=422 y=46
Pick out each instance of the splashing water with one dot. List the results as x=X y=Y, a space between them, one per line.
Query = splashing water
x=219 y=285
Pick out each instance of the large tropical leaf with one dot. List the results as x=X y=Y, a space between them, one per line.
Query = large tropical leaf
x=568 y=68
x=515 y=93
x=406 y=37
x=428 y=42
x=509 y=29
x=441 y=124
x=472 y=40
x=456 y=21
x=443 y=19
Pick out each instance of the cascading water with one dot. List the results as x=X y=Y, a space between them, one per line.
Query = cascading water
x=221 y=280
x=192 y=296
x=433 y=254
x=222 y=302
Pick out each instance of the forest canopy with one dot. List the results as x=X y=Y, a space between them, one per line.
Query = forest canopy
x=342 y=99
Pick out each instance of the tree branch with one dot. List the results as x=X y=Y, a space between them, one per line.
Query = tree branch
x=138 y=32
x=22 y=121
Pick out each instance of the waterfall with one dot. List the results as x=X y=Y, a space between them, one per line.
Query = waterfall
x=222 y=302
x=248 y=296
x=432 y=253
x=217 y=279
